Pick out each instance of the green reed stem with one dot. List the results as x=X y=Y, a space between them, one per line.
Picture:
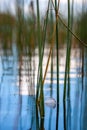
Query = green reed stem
x=41 y=53
x=67 y=53
x=70 y=41
x=67 y=67
x=37 y=118
x=39 y=43
x=40 y=46
x=51 y=85
x=83 y=49
x=40 y=65
x=69 y=50
x=43 y=42
x=57 y=58
x=51 y=91
x=68 y=90
x=43 y=45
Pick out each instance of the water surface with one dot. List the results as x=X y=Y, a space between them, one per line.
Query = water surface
x=18 y=79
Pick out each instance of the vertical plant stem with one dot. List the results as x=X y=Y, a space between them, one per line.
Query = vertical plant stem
x=43 y=42
x=64 y=113
x=68 y=89
x=70 y=43
x=39 y=84
x=67 y=53
x=39 y=42
x=67 y=68
x=51 y=91
x=83 y=10
x=57 y=58
x=41 y=60
x=42 y=47
x=82 y=68
x=37 y=118
x=41 y=52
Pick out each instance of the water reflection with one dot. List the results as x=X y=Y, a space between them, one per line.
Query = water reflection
x=17 y=108
x=18 y=76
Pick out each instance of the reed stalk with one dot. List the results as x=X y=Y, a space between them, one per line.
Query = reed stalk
x=40 y=75
x=41 y=60
x=51 y=85
x=83 y=10
x=51 y=47
x=51 y=91
x=57 y=61
x=40 y=93
x=70 y=41
x=43 y=45
x=73 y=34
x=68 y=90
x=67 y=54
x=39 y=43
x=67 y=68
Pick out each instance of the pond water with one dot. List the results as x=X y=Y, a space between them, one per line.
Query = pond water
x=18 y=79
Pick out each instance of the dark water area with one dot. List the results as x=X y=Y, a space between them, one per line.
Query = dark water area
x=18 y=79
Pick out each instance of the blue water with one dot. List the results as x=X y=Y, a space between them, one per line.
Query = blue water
x=17 y=98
